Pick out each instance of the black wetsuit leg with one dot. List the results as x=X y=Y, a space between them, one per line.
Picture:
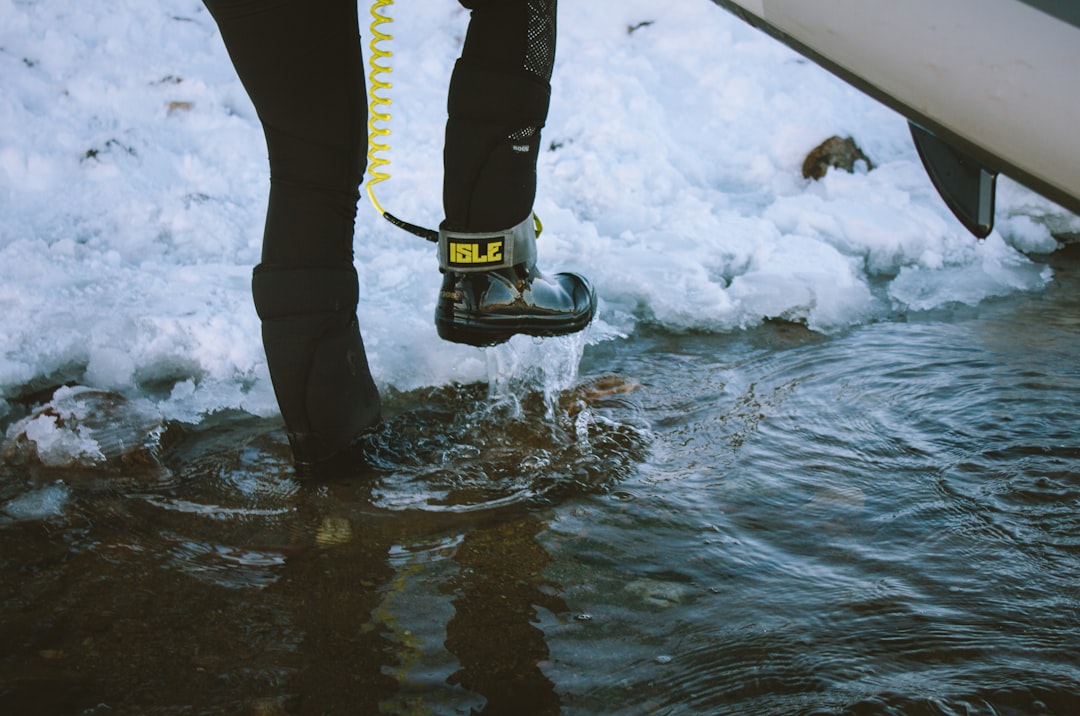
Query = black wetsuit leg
x=300 y=62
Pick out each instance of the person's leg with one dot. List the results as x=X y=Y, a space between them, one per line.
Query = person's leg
x=498 y=102
x=301 y=66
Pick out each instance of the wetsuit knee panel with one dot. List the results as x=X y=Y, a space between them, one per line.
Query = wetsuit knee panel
x=283 y=293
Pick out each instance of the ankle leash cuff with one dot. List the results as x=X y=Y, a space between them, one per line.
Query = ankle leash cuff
x=466 y=252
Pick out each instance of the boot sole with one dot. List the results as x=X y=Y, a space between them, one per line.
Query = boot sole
x=492 y=329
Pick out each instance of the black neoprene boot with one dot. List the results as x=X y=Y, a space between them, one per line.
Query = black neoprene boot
x=316 y=357
x=492 y=289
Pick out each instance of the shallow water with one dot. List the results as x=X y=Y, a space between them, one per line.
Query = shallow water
x=768 y=522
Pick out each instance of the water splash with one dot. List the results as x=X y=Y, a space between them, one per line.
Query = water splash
x=526 y=365
x=539 y=433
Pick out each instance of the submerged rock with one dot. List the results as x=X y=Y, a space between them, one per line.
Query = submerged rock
x=658 y=593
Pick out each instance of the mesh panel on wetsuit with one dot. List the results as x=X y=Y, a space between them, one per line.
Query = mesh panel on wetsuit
x=539 y=52
x=523 y=134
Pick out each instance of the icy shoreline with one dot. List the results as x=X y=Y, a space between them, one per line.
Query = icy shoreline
x=133 y=183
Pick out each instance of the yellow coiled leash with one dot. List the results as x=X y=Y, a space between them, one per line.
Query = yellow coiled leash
x=376 y=114
x=379 y=118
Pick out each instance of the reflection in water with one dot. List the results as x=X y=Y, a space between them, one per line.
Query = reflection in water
x=216 y=582
x=481 y=471
x=333 y=592
x=496 y=592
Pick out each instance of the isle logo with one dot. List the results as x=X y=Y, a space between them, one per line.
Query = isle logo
x=484 y=252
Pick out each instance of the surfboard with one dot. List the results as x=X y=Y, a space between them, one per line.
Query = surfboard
x=988 y=85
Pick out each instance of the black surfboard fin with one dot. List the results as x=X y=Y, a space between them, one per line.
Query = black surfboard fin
x=963 y=182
